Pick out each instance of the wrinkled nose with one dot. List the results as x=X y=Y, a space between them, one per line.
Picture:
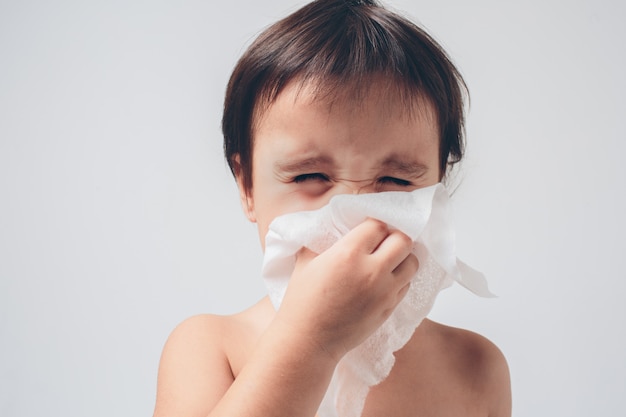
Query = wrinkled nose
x=354 y=186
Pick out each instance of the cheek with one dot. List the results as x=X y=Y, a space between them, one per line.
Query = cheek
x=273 y=197
x=277 y=202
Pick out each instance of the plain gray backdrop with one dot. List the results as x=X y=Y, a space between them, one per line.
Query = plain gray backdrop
x=119 y=218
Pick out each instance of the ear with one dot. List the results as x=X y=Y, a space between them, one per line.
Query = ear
x=245 y=196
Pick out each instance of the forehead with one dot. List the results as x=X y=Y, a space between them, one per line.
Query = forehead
x=391 y=98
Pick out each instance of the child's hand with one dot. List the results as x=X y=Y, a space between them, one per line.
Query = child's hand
x=336 y=299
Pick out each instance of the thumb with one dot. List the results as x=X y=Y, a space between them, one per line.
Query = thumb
x=304 y=256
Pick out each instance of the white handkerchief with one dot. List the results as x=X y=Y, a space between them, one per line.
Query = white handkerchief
x=424 y=216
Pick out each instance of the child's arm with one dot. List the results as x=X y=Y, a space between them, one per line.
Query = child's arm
x=333 y=302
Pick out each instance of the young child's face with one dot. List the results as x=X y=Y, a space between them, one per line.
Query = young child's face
x=306 y=151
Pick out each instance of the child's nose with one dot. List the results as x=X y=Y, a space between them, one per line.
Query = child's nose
x=355 y=186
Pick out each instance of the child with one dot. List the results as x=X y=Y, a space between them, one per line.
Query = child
x=339 y=97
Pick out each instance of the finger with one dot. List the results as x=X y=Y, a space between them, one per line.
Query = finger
x=367 y=236
x=394 y=249
x=403 y=291
x=407 y=268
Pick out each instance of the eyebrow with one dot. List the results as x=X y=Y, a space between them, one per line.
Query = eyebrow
x=304 y=164
x=410 y=168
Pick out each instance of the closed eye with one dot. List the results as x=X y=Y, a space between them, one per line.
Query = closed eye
x=315 y=176
x=394 y=181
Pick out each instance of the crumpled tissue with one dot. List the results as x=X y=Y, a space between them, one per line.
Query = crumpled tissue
x=424 y=216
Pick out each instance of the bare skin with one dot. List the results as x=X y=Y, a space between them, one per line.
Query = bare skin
x=442 y=371
x=263 y=362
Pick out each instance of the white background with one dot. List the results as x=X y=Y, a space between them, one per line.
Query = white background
x=119 y=218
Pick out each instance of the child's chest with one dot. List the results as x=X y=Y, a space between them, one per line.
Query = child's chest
x=425 y=382
x=434 y=398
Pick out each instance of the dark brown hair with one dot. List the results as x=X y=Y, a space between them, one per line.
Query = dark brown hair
x=339 y=45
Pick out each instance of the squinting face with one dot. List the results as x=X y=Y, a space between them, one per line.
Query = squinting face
x=306 y=151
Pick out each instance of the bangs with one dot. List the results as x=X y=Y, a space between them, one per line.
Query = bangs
x=346 y=49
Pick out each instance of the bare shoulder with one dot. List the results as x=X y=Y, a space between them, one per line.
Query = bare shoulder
x=199 y=361
x=193 y=348
x=478 y=362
